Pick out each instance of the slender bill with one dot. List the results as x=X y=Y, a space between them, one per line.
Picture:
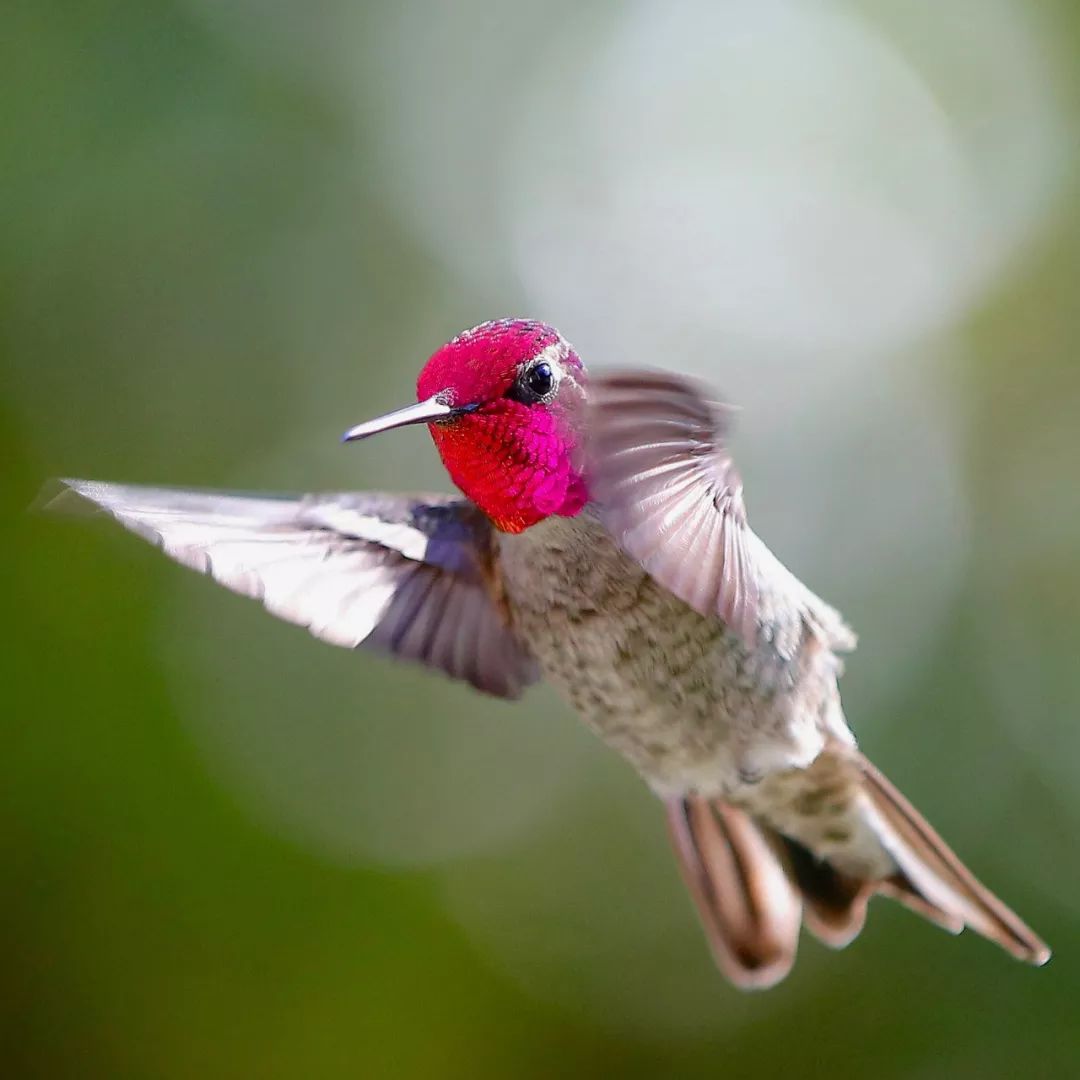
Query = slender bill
x=423 y=412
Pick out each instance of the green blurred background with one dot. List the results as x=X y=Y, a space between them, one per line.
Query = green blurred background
x=231 y=228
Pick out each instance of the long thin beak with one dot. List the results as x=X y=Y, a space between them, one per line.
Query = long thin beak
x=423 y=412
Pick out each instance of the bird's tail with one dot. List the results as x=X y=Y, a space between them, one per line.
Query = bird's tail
x=812 y=846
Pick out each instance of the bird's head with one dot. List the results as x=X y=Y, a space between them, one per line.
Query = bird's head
x=504 y=403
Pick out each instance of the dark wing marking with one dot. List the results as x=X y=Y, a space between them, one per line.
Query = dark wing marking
x=668 y=491
x=406 y=575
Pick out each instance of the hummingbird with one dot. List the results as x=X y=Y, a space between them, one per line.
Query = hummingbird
x=601 y=542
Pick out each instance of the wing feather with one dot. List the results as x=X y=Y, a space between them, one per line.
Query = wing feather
x=666 y=487
x=410 y=576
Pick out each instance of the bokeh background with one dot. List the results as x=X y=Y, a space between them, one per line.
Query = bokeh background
x=231 y=228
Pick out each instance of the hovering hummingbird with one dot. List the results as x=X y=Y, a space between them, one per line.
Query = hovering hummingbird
x=603 y=544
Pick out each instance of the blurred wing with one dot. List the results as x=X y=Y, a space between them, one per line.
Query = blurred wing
x=669 y=493
x=407 y=575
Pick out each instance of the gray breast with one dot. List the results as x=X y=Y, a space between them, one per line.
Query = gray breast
x=678 y=694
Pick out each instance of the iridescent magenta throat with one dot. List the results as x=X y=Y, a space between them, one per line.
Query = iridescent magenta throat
x=515 y=463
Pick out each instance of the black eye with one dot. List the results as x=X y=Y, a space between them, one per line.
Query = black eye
x=535 y=383
x=540 y=379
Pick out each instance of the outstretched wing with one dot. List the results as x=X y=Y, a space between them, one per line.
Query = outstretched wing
x=407 y=575
x=668 y=491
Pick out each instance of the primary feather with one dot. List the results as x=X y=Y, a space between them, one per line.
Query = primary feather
x=402 y=574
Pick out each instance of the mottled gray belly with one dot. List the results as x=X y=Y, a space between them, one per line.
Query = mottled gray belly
x=676 y=693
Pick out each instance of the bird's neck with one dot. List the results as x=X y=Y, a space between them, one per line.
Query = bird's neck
x=518 y=478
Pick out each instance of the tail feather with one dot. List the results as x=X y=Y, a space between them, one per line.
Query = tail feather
x=834 y=905
x=814 y=847
x=899 y=888
x=748 y=906
x=937 y=876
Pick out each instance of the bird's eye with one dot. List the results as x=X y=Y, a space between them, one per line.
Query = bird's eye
x=534 y=384
x=540 y=379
